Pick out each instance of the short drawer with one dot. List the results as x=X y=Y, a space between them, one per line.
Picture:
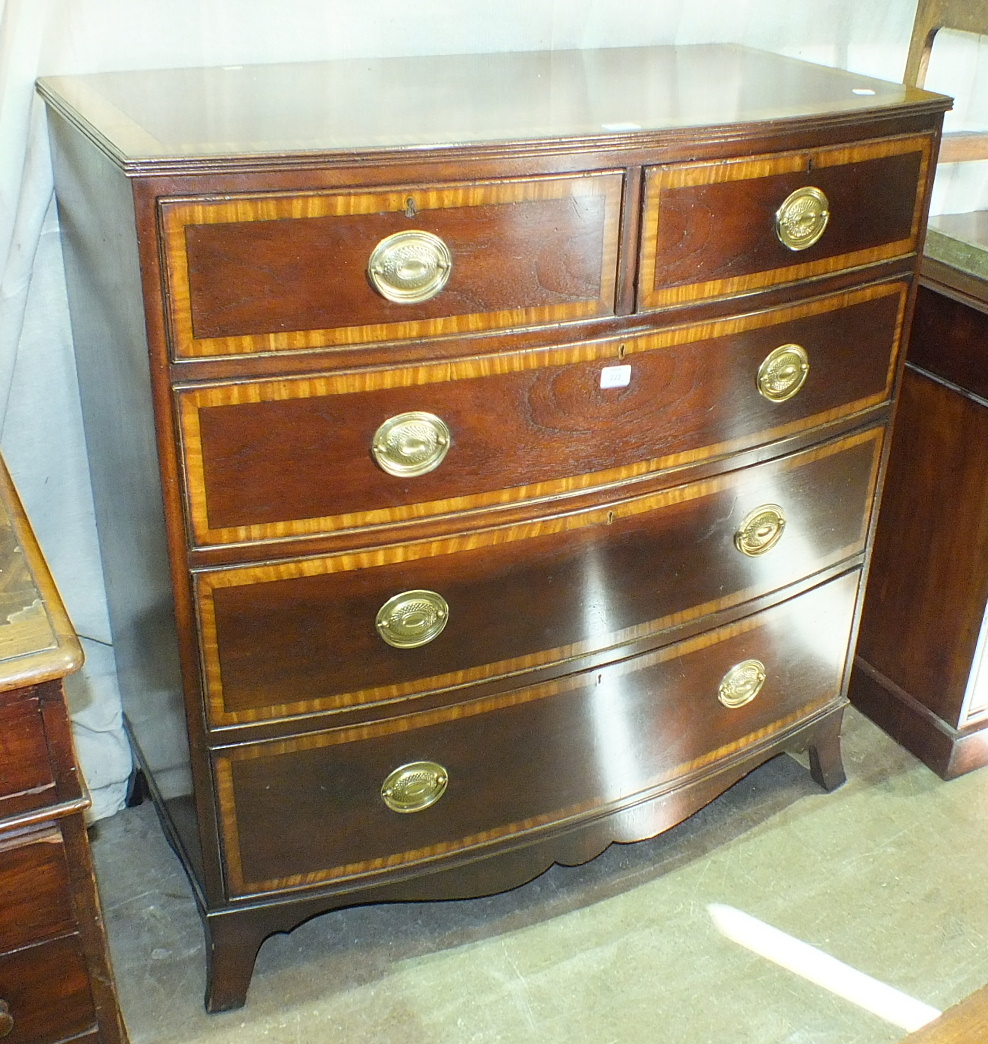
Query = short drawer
x=26 y=778
x=715 y=229
x=293 y=457
x=46 y=989
x=366 y=627
x=329 y=806
x=34 y=882
x=268 y=272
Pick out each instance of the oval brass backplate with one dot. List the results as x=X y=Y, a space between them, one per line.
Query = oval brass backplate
x=415 y=786
x=802 y=218
x=760 y=530
x=410 y=267
x=410 y=444
x=742 y=683
x=412 y=618
x=783 y=372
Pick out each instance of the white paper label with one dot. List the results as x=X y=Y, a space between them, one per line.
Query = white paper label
x=615 y=377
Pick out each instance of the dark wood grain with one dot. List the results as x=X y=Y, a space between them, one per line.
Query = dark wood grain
x=308 y=456
x=528 y=759
x=195 y=394
x=264 y=276
x=926 y=600
x=26 y=776
x=53 y=953
x=950 y=340
x=47 y=1007
x=36 y=901
x=921 y=623
x=709 y=233
x=308 y=641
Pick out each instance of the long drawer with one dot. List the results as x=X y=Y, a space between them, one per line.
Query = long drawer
x=297 y=456
x=46 y=988
x=367 y=627
x=716 y=229
x=397 y=793
x=267 y=272
x=34 y=876
x=26 y=776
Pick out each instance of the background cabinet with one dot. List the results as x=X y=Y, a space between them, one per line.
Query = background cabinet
x=55 y=977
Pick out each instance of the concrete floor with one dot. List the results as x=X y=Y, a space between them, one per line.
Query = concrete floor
x=888 y=874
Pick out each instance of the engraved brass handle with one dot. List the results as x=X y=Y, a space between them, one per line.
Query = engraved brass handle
x=410 y=267
x=412 y=618
x=6 y=1019
x=802 y=218
x=414 y=787
x=742 y=683
x=760 y=530
x=783 y=372
x=410 y=444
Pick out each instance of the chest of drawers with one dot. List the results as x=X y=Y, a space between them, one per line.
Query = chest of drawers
x=55 y=978
x=485 y=448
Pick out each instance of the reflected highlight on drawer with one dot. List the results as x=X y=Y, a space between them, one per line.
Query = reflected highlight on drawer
x=570 y=748
x=299 y=456
x=302 y=636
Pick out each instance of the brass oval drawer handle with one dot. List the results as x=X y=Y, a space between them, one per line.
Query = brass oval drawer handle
x=412 y=618
x=410 y=267
x=802 y=218
x=783 y=372
x=6 y=1019
x=410 y=444
x=760 y=530
x=415 y=786
x=742 y=683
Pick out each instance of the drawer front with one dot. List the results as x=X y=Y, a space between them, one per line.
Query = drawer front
x=318 y=633
x=711 y=229
x=309 y=810
x=270 y=459
x=26 y=778
x=34 y=881
x=47 y=992
x=260 y=273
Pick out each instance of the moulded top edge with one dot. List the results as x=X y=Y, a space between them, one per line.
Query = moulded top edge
x=166 y=116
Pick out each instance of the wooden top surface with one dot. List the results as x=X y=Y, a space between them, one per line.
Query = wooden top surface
x=964 y=1023
x=37 y=642
x=614 y=94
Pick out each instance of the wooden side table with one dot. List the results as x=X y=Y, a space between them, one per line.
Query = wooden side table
x=55 y=977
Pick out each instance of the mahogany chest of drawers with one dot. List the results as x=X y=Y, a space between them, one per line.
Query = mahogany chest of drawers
x=486 y=448
x=55 y=978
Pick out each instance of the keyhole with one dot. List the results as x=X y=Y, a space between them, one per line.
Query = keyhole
x=410 y=209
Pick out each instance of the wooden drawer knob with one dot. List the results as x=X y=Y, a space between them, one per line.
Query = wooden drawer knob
x=414 y=787
x=410 y=267
x=802 y=218
x=412 y=618
x=742 y=683
x=760 y=530
x=6 y=1019
x=783 y=372
x=410 y=444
